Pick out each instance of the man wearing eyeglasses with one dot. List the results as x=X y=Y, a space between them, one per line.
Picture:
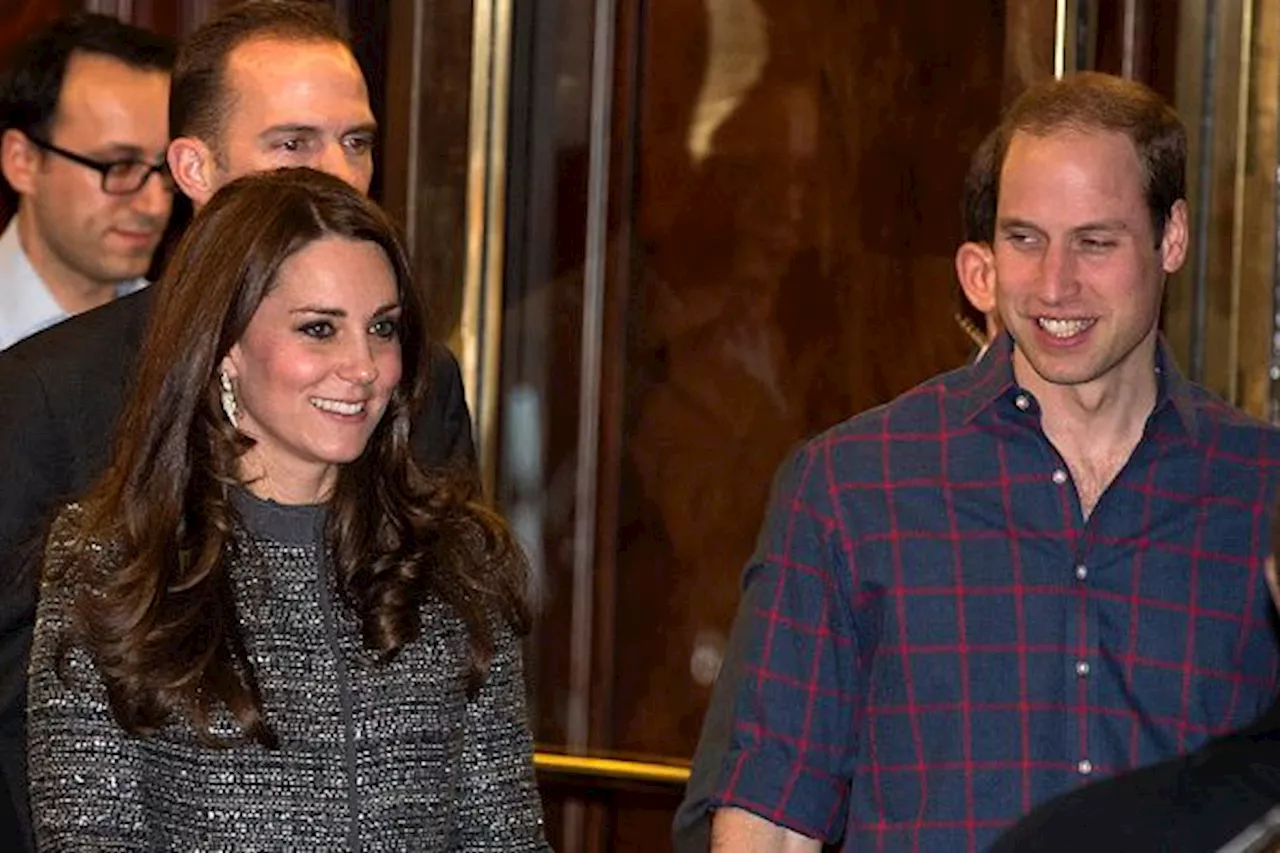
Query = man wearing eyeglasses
x=83 y=132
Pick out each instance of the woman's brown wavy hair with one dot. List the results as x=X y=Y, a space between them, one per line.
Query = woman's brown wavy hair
x=161 y=622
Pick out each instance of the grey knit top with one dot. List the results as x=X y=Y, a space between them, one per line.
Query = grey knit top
x=371 y=757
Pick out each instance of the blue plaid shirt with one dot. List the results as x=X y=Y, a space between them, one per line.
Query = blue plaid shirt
x=939 y=640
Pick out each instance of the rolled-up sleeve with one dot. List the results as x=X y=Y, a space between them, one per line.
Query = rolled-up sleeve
x=794 y=735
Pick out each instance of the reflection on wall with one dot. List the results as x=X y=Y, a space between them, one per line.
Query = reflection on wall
x=797 y=212
x=737 y=49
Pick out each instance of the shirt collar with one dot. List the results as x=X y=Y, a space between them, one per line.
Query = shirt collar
x=1175 y=390
x=26 y=305
x=990 y=379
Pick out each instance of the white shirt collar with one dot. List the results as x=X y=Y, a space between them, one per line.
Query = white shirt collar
x=26 y=305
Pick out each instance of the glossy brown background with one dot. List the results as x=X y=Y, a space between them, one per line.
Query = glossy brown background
x=779 y=256
x=18 y=17
x=798 y=273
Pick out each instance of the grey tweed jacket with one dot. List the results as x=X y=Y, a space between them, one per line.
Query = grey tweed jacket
x=372 y=757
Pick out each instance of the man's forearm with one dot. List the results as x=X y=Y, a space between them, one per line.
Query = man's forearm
x=739 y=831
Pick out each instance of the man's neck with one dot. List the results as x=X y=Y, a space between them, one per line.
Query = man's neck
x=1096 y=426
x=72 y=291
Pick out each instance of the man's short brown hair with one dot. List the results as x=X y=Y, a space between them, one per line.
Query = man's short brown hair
x=199 y=98
x=1090 y=101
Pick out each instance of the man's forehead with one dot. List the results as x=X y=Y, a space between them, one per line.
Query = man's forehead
x=278 y=56
x=1069 y=136
x=308 y=83
x=1104 y=160
x=92 y=63
x=90 y=75
x=110 y=96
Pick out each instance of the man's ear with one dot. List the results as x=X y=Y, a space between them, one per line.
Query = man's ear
x=975 y=267
x=1173 y=243
x=19 y=161
x=194 y=169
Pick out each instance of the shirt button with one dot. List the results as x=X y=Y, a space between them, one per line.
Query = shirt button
x=1082 y=572
x=1059 y=476
x=1085 y=767
x=1082 y=668
x=1022 y=402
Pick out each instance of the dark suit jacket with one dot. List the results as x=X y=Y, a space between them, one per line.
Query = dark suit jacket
x=61 y=392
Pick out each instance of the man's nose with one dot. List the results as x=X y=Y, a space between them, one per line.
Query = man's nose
x=1058 y=273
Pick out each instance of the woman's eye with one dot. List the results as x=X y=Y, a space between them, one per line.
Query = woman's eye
x=318 y=329
x=386 y=328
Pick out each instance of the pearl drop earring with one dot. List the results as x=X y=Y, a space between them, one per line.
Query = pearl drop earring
x=228 y=396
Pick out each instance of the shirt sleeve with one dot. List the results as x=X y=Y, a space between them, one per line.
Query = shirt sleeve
x=499 y=805
x=691 y=827
x=793 y=742
x=85 y=783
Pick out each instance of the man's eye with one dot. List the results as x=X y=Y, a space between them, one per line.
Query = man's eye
x=123 y=169
x=293 y=146
x=319 y=329
x=359 y=144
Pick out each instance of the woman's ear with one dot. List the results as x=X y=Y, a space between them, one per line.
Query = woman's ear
x=230 y=362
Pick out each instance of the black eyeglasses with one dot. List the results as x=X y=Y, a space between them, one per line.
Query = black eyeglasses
x=119 y=177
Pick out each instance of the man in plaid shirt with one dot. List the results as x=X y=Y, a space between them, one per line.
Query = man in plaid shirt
x=1026 y=574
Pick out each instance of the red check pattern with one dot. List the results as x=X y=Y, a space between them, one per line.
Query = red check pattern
x=939 y=639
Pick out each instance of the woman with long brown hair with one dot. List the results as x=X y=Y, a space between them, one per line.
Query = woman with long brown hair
x=266 y=628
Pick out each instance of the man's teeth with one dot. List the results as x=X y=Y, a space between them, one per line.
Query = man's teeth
x=337 y=406
x=1063 y=328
